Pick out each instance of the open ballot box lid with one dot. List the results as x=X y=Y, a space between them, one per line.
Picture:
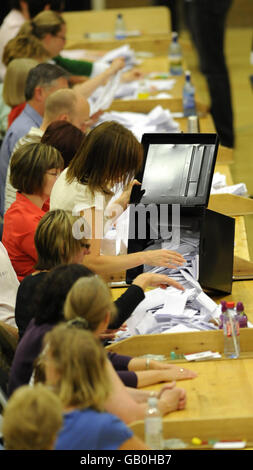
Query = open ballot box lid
x=176 y=178
x=177 y=169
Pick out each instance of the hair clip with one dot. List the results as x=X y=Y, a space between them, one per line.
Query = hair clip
x=78 y=322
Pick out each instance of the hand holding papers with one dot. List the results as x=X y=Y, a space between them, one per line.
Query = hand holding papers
x=124 y=51
x=103 y=96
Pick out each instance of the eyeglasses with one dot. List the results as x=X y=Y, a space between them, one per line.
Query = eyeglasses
x=63 y=38
x=85 y=245
x=53 y=174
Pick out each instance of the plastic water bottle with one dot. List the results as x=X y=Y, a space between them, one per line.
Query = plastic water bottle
x=120 y=28
x=241 y=316
x=231 y=332
x=223 y=310
x=153 y=425
x=175 y=56
x=189 y=106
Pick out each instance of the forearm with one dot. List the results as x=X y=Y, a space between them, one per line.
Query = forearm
x=126 y=304
x=149 y=377
x=141 y=397
x=88 y=87
x=120 y=402
x=103 y=264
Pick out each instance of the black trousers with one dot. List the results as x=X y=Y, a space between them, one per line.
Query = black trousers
x=206 y=22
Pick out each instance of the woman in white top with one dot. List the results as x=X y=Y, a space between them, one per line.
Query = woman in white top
x=109 y=155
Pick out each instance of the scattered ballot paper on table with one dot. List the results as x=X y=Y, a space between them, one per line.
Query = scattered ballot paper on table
x=202 y=356
x=157 y=120
x=219 y=186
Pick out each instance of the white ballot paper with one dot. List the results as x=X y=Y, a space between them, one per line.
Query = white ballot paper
x=104 y=96
x=124 y=52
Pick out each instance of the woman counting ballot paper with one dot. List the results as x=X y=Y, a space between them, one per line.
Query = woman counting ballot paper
x=109 y=156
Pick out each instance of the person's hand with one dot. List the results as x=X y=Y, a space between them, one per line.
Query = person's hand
x=156 y=280
x=133 y=74
x=172 y=372
x=110 y=334
x=163 y=257
x=93 y=118
x=172 y=400
x=117 y=64
x=124 y=198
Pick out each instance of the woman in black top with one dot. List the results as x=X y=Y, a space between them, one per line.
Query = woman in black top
x=56 y=245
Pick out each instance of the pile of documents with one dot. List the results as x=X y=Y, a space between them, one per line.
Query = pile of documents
x=171 y=310
x=131 y=90
x=219 y=186
x=124 y=52
x=157 y=120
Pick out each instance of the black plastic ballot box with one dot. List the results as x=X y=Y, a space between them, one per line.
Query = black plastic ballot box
x=176 y=178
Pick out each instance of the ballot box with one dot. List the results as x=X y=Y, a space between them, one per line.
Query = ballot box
x=169 y=209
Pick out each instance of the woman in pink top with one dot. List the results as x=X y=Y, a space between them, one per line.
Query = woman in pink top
x=34 y=169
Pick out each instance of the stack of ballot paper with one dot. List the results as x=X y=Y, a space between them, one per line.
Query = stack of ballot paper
x=173 y=310
x=130 y=91
x=124 y=52
x=157 y=120
x=219 y=186
x=202 y=356
x=103 y=96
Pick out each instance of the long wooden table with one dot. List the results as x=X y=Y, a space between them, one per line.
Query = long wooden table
x=95 y=29
x=219 y=399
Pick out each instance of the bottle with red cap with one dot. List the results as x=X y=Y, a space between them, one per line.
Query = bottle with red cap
x=231 y=332
x=241 y=316
x=223 y=310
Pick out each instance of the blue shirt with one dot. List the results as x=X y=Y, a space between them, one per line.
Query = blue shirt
x=20 y=127
x=91 y=430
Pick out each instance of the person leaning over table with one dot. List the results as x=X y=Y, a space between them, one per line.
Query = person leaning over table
x=34 y=169
x=29 y=46
x=49 y=303
x=21 y=11
x=109 y=155
x=49 y=29
x=55 y=245
x=90 y=299
x=76 y=368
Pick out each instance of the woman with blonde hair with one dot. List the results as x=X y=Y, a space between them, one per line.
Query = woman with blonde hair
x=44 y=36
x=21 y=11
x=90 y=299
x=55 y=245
x=24 y=46
x=32 y=419
x=76 y=367
x=14 y=86
x=48 y=305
